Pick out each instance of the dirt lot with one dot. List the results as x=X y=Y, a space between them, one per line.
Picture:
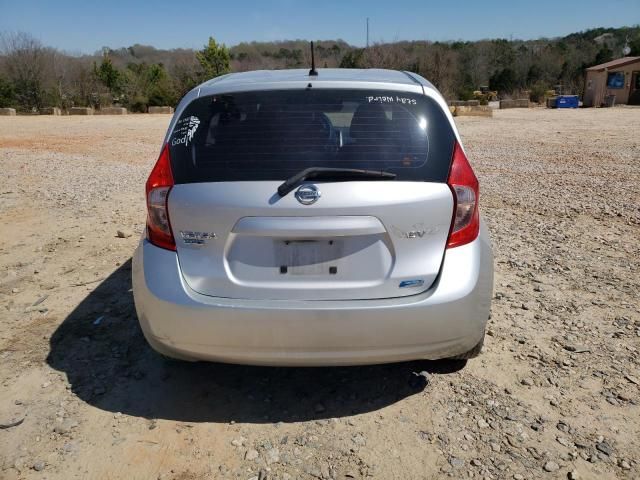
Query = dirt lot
x=554 y=395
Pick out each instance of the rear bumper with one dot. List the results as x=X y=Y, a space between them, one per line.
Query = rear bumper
x=447 y=320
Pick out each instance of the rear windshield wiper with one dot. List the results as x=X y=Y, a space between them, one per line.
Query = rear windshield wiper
x=339 y=173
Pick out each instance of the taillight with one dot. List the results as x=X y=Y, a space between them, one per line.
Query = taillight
x=158 y=187
x=465 y=189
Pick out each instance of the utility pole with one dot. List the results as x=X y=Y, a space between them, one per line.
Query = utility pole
x=367 y=32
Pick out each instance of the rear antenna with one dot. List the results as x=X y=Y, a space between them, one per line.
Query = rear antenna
x=313 y=72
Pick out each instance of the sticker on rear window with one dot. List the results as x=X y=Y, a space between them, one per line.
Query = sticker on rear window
x=184 y=130
x=391 y=99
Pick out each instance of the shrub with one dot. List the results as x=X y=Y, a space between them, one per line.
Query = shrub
x=537 y=92
x=466 y=94
x=139 y=104
x=353 y=59
x=7 y=94
x=161 y=95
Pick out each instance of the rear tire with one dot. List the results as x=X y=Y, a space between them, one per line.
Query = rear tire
x=473 y=353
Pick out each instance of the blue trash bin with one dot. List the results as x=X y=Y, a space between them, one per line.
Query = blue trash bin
x=567 y=101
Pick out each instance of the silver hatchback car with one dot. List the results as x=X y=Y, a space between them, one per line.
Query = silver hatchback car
x=323 y=219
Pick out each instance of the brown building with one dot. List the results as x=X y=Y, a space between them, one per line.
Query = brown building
x=620 y=78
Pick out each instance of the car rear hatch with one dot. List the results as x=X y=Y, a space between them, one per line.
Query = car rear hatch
x=330 y=238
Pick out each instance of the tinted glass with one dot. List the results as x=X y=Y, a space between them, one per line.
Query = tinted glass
x=272 y=135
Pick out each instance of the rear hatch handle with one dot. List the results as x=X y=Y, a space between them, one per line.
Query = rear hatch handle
x=327 y=173
x=308 y=227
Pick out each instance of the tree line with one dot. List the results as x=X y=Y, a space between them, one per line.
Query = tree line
x=34 y=76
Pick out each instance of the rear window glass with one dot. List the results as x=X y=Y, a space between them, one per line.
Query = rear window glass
x=272 y=135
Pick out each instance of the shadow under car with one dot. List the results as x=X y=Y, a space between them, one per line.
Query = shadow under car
x=110 y=366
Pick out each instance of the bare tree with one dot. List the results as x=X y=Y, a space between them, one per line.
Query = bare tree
x=29 y=66
x=75 y=82
x=440 y=66
x=389 y=56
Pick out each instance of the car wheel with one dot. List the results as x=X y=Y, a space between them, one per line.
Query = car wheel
x=474 y=352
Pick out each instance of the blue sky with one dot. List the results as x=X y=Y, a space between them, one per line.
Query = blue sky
x=85 y=26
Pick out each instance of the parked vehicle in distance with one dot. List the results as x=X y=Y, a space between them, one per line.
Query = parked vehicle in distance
x=327 y=219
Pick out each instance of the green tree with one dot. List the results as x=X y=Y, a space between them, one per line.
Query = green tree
x=214 y=59
x=108 y=75
x=634 y=44
x=503 y=80
x=161 y=90
x=148 y=85
x=604 y=55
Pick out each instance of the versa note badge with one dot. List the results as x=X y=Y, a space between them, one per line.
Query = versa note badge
x=196 y=238
x=420 y=231
x=308 y=194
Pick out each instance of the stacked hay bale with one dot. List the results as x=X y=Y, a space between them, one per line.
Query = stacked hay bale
x=160 y=110
x=472 y=108
x=113 y=111
x=81 y=111
x=515 y=103
x=50 y=111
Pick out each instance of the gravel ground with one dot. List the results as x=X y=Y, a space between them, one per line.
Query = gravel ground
x=554 y=395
